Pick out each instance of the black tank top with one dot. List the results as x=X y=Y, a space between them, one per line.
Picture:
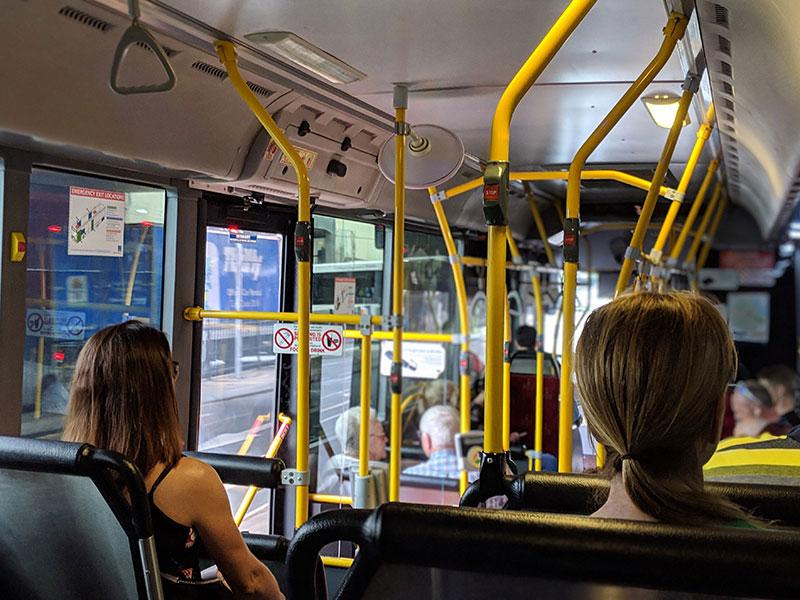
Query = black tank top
x=178 y=546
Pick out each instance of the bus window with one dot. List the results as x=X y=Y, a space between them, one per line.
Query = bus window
x=95 y=258
x=239 y=368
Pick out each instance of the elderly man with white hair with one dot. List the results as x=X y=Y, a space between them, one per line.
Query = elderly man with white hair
x=438 y=427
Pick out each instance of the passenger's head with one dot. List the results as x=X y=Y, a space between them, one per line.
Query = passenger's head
x=123 y=397
x=781 y=382
x=437 y=428
x=651 y=371
x=525 y=338
x=752 y=408
x=348 y=429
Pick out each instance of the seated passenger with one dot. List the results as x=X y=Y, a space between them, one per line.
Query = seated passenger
x=767 y=459
x=123 y=399
x=651 y=371
x=437 y=430
x=781 y=382
x=334 y=478
x=753 y=411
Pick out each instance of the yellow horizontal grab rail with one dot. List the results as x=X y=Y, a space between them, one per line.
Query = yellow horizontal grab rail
x=341 y=562
x=197 y=313
x=330 y=499
x=408 y=336
x=226 y=52
x=594 y=174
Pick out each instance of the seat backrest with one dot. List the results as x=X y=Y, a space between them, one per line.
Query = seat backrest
x=583 y=494
x=411 y=551
x=523 y=409
x=66 y=529
x=261 y=472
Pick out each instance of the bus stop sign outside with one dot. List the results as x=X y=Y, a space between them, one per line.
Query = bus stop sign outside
x=325 y=340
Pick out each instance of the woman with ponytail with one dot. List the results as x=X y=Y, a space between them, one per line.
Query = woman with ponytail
x=651 y=371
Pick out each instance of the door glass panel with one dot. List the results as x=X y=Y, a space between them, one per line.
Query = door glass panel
x=95 y=258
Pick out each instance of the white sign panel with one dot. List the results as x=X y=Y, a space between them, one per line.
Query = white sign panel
x=77 y=289
x=748 y=316
x=325 y=340
x=59 y=324
x=344 y=295
x=96 y=222
x=719 y=279
x=421 y=360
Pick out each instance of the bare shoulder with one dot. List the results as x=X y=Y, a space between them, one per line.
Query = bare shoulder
x=196 y=481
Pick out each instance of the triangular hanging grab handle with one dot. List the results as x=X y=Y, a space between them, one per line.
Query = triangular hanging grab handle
x=136 y=34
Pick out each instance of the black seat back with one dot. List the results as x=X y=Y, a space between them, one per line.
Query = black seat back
x=414 y=551
x=583 y=494
x=67 y=531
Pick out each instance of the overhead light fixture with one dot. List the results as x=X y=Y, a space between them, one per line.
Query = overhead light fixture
x=141 y=211
x=663 y=108
x=306 y=55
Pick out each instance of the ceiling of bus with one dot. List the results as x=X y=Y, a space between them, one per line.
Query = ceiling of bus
x=456 y=57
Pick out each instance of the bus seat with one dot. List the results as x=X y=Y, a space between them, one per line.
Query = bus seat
x=233 y=469
x=67 y=531
x=414 y=551
x=523 y=405
x=570 y=493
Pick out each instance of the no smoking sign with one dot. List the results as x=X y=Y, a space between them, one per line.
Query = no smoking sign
x=324 y=340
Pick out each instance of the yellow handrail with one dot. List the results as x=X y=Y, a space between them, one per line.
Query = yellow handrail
x=330 y=498
x=701 y=261
x=496 y=257
x=365 y=401
x=537 y=219
x=639 y=232
x=197 y=313
x=341 y=562
x=408 y=336
x=283 y=428
x=465 y=392
x=675 y=251
x=701 y=229
x=702 y=136
x=398 y=283
x=539 y=412
x=674 y=30
x=226 y=52
x=593 y=174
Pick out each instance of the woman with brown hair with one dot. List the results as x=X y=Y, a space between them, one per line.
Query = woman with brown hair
x=123 y=399
x=651 y=371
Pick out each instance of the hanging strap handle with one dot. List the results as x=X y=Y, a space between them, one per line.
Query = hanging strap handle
x=137 y=34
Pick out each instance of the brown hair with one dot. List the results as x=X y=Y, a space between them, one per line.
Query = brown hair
x=123 y=397
x=781 y=375
x=651 y=371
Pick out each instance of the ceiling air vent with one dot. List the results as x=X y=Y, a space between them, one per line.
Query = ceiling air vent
x=721 y=15
x=724 y=45
x=727 y=116
x=85 y=19
x=168 y=51
x=725 y=68
x=728 y=103
x=259 y=89
x=727 y=88
x=209 y=70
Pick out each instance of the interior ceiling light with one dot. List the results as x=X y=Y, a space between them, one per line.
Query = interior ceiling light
x=306 y=55
x=663 y=108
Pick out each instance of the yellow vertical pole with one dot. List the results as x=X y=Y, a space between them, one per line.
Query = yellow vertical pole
x=537 y=219
x=674 y=30
x=637 y=241
x=506 y=376
x=701 y=261
x=398 y=282
x=495 y=196
x=701 y=229
x=539 y=411
x=675 y=251
x=465 y=395
x=366 y=384
x=226 y=52
x=697 y=150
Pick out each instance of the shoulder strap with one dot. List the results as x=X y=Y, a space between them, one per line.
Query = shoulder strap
x=159 y=479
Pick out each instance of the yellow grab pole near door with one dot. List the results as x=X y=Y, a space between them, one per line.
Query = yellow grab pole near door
x=398 y=280
x=539 y=411
x=712 y=232
x=465 y=394
x=690 y=86
x=537 y=219
x=701 y=229
x=506 y=377
x=666 y=227
x=674 y=30
x=226 y=52
x=366 y=384
x=675 y=251
x=495 y=200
